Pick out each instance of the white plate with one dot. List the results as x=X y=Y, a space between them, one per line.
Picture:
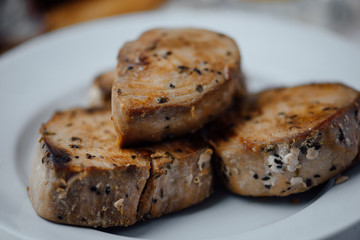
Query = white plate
x=55 y=70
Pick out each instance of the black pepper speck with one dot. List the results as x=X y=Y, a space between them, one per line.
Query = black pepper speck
x=197 y=71
x=317 y=146
x=199 y=88
x=278 y=161
x=161 y=193
x=182 y=67
x=341 y=135
x=161 y=99
x=303 y=149
x=308 y=182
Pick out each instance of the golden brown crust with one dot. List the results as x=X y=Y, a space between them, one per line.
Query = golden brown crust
x=172 y=82
x=80 y=177
x=286 y=141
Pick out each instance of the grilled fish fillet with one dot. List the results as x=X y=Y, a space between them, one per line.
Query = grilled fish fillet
x=171 y=82
x=81 y=177
x=288 y=140
x=100 y=90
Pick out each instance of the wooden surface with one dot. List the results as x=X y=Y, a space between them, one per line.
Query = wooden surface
x=63 y=13
x=83 y=10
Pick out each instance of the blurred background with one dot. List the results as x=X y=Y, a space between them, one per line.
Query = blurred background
x=21 y=20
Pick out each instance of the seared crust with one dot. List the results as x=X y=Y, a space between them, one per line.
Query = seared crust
x=288 y=140
x=79 y=176
x=173 y=81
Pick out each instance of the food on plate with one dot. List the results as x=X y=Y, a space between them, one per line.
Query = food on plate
x=171 y=82
x=288 y=140
x=168 y=84
x=100 y=90
x=81 y=177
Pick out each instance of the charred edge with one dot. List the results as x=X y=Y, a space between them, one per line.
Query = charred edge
x=58 y=156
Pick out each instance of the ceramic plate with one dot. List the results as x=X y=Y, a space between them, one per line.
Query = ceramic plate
x=55 y=70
